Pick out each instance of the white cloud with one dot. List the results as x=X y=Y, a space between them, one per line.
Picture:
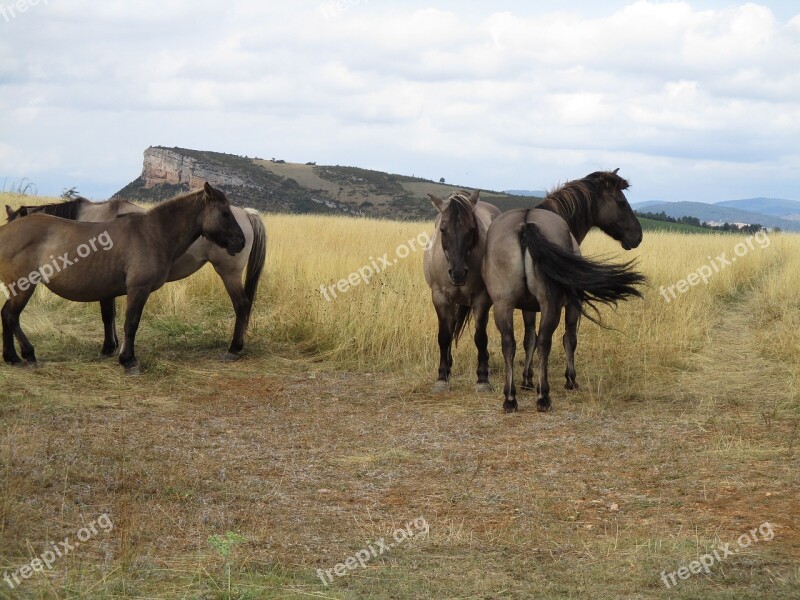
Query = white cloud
x=514 y=98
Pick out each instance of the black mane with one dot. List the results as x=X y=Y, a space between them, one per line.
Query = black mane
x=66 y=210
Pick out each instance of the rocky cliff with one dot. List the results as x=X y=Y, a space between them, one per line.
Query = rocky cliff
x=174 y=167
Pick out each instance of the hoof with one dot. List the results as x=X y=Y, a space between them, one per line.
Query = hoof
x=32 y=364
x=528 y=386
x=543 y=405
x=230 y=357
x=441 y=387
x=133 y=371
x=572 y=385
x=483 y=388
x=510 y=406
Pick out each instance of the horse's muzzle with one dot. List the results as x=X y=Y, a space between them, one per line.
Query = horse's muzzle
x=459 y=280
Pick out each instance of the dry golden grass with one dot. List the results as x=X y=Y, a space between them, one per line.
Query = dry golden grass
x=325 y=437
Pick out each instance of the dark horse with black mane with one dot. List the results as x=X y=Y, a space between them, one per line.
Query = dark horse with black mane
x=533 y=262
x=136 y=254
x=452 y=265
x=575 y=203
x=249 y=262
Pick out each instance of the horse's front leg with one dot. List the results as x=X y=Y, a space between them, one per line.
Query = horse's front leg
x=504 y=319
x=551 y=313
x=530 y=345
x=480 y=310
x=137 y=298
x=108 y=310
x=447 y=320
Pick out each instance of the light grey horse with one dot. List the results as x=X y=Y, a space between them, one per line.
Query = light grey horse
x=230 y=268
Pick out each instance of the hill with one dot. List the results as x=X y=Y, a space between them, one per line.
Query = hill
x=279 y=186
x=653 y=225
x=718 y=213
x=534 y=193
x=776 y=207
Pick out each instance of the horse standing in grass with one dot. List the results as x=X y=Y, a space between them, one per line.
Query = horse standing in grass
x=533 y=262
x=583 y=205
x=136 y=256
x=452 y=265
x=249 y=262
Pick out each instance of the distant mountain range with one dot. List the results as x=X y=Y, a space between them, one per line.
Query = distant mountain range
x=769 y=212
x=277 y=185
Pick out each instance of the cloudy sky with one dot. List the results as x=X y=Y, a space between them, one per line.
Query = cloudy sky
x=694 y=100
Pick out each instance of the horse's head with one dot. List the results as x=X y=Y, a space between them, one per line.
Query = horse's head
x=12 y=214
x=458 y=230
x=613 y=214
x=219 y=224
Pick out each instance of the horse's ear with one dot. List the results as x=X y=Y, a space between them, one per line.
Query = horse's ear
x=615 y=171
x=208 y=190
x=9 y=212
x=475 y=197
x=437 y=202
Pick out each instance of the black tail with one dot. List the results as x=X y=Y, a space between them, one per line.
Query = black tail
x=258 y=255
x=585 y=282
x=463 y=314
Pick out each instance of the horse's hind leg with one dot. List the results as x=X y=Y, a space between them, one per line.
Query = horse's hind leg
x=133 y=315
x=551 y=313
x=530 y=346
x=480 y=311
x=447 y=321
x=108 y=310
x=571 y=320
x=504 y=319
x=241 y=306
x=11 y=329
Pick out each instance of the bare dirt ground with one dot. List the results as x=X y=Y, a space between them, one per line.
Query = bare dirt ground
x=592 y=500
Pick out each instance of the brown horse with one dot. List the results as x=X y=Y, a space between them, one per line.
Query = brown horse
x=579 y=204
x=452 y=265
x=229 y=268
x=533 y=262
x=132 y=256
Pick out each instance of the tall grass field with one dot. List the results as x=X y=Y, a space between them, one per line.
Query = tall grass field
x=253 y=479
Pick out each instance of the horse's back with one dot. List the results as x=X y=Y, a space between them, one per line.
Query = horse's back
x=553 y=227
x=486 y=212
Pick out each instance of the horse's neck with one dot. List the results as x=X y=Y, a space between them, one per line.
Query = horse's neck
x=578 y=229
x=180 y=222
x=580 y=232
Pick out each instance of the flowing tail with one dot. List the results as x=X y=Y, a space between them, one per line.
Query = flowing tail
x=258 y=255
x=463 y=314
x=585 y=282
